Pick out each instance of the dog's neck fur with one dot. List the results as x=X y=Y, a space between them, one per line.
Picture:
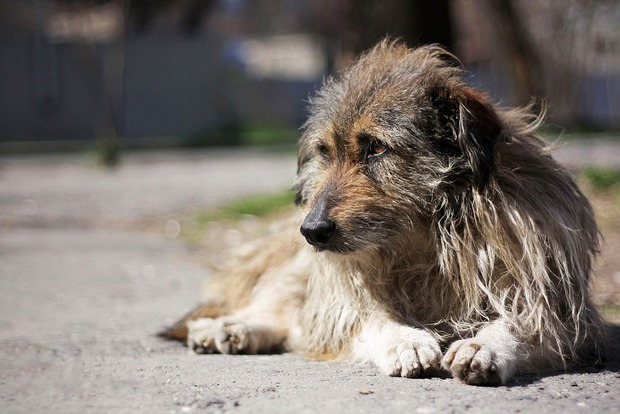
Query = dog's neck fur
x=374 y=282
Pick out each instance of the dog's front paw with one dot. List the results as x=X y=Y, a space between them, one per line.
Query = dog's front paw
x=232 y=337
x=201 y=335
x=473 y=362
x=224 y=335
x=414 y=354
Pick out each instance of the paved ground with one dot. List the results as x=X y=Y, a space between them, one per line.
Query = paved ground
x=83 y=290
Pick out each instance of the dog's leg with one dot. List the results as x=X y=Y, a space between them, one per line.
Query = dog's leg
x=260 y=327
x=270 y=307
x=489 y=358
x=398 y=350
x=235 y=334
x=201 y=335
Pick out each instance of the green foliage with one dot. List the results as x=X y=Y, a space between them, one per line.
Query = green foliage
x=601 y=178
x=254 y=206
x=108 y=151
x=610 y=312
x=269 y=135
x=258 y=206
x=246 y=134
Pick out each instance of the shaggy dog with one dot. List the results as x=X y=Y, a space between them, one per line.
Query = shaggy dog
x=433 y=221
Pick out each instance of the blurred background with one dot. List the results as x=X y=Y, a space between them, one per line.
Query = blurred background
x=161 y=73
x=111 y=216
x=142 y=140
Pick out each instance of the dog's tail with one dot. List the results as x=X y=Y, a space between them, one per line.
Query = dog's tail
x=179 y=331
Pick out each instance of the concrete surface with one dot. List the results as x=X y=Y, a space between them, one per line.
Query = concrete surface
x=82 y=292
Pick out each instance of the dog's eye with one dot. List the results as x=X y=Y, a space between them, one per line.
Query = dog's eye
x=376 y=148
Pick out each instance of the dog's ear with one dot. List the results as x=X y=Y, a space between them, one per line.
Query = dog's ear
x=477 y=131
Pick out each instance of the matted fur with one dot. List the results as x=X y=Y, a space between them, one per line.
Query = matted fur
x=439 y=223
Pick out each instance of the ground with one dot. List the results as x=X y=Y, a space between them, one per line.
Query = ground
x=92 y=266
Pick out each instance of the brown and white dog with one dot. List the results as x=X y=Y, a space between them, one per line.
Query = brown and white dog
x=432 y=221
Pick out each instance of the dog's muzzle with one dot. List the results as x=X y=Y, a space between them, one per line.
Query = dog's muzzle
x=318 y=228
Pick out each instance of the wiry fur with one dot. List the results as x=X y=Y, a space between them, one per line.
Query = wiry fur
x=463 y=234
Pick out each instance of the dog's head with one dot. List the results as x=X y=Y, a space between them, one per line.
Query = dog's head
x=385 y=141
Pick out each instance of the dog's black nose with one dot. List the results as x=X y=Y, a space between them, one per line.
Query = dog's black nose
x=318 y=228
x=318 y=233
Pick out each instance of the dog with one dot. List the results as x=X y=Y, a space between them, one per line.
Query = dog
x=435 y=233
